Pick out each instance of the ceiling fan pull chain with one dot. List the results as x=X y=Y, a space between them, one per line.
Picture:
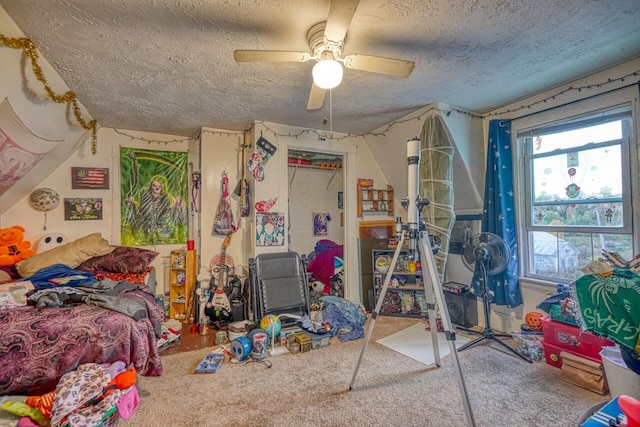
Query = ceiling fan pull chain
x=330 y=113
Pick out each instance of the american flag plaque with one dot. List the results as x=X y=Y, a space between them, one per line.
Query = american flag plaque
x=90 y=178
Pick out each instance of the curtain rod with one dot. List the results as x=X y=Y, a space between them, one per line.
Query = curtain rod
x=579 y=100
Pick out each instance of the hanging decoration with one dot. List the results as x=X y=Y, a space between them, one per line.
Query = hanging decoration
x=261 y=155
x=20 y=149
x=243 y=190
x=68 y=98
x=44 y=200
x=609 y=214
x=223 y=222
x=436 y=184
x=573 y=190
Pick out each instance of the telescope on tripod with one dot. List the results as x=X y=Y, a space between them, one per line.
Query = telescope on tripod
x=421 y=248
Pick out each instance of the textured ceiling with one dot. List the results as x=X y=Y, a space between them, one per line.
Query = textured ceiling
x=167 y=65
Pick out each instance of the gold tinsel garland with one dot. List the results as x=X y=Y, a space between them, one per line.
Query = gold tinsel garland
x=69 y=97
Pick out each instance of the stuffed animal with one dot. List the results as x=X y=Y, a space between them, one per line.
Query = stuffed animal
x=13 y=247
x=50 y=241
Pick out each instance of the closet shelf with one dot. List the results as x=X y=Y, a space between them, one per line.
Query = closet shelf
x=335 y=167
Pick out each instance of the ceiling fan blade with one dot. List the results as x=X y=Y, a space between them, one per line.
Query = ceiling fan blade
x=316 y=98
x=380 y=65
x=340 y=14
x=270 y=56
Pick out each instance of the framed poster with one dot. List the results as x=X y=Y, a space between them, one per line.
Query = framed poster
x=89 y=178
x=82 y=209
x=320 y=223
x=154 y=193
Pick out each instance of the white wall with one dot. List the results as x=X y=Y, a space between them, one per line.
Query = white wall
x=60 y=180
x=313 y=191
x=221 y=151
x=388 y=146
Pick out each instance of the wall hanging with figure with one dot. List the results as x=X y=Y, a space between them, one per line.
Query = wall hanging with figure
x=154 y=192
x=321 y=223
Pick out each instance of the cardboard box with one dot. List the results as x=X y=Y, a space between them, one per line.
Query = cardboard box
x=304 y=340
x=583 y=373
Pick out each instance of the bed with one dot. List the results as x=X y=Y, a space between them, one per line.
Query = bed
x=40 y=343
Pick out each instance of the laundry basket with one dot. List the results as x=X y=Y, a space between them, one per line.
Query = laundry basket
x=111 y=418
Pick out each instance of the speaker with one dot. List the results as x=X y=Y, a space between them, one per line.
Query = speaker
x=462 y=307
x=238 y=310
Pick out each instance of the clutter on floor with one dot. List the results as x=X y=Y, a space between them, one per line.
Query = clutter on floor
x=326 y=270
x=591 y=327
x=91 y=395
x=170 y=334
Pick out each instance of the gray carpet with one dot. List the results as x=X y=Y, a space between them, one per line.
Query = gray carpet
x=311 y=389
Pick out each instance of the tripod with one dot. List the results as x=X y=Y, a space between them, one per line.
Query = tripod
x=487 y=333
x=420 y=246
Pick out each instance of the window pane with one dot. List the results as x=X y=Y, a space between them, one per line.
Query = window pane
x=578 y=137
x=561 y=255
x=578 y=214
x=580 y=175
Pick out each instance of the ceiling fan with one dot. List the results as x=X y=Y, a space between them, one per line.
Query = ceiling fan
x=326 y=41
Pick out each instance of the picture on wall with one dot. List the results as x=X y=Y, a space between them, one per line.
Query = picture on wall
x=321 y=223
x=154 y=197
x=82 y=209
x=90 y=178
x=270 y=229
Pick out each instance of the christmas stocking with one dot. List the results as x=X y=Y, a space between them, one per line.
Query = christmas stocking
x=261 y=155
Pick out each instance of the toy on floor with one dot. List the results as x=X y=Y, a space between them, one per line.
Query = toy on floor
x=631 y=409
x=13 y=247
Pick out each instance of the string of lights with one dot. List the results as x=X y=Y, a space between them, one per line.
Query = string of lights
x=150 y=141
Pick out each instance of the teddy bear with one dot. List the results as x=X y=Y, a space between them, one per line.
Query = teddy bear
x=13 y=247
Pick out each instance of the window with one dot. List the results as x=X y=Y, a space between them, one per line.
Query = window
x=577 y=189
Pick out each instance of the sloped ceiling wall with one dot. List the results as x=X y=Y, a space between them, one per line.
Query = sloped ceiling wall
x=39 y=114
x=388 y=145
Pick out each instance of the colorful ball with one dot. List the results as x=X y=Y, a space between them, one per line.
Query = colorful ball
x=271 y=325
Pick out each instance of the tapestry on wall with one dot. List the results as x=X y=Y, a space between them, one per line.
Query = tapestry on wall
x=269 y=229
x=20 y=149
x=154 y=192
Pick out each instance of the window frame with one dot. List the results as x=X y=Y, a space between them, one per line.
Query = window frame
x=606 y=108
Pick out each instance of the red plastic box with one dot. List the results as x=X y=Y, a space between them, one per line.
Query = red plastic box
x=552 y=354
x=573 y=339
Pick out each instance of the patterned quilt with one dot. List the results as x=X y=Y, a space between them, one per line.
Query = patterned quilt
x=38 y=346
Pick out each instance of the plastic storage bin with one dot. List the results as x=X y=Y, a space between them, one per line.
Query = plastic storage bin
x=621 y=379
x=573 y=339
x=319 y=340
x=553 y=358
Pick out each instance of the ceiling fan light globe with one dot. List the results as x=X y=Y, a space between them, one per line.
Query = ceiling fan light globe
x=327 y=74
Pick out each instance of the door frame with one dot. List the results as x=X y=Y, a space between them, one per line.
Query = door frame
x=347 y=150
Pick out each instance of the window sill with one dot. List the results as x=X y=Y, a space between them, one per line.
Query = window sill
x=538 y=283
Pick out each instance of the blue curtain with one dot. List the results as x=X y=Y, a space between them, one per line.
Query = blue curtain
x=499 y=213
